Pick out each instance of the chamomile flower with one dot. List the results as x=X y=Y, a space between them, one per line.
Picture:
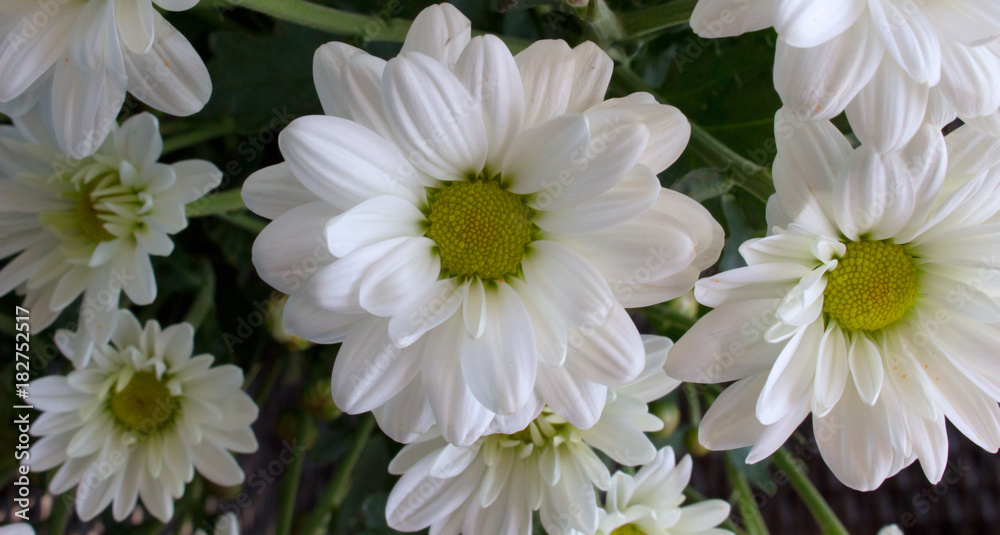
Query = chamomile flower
x=471 y=225
x=73 y=61
x=650 y=502
x=494 y=485
x=890 y=63
x=872 y=305
x=138 y=419
x=90 y=226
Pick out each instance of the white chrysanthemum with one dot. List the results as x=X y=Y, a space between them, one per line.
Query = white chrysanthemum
x=494 y=485
x=873 y=305
x=89 y=226
x=889 y=63
x=73 y=61
x=471 y=224
x=138 y=419
x=650 y=502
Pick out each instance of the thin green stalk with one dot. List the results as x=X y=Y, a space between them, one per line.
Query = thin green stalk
x=643 y=22
x=218 y=203
x=753 y=521
x=62 y=510
x=290 y=485
x=199 y=134
x=691 y=393
x=336 y=491
x=205 y=299
x=378 y=26
x=244 y=220
x=821 y=511
x=753 y=178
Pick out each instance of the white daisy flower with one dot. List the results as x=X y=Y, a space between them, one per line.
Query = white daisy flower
x=138 y=419
x=650 y=502
x=889 y=63
x=75 y=59
x=494 y=485
x=872 y=305
x=471 y=224
x=90 y=226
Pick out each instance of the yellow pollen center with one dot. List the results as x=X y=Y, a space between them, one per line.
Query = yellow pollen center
x=628 y=529
x=88 y=216
x=873 y=286
x=144 y=405
x=480 y=229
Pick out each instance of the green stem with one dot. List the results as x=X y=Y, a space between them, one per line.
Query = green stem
x=217 y=203
x=205 y=299
x=753 y=178
x=336 y=491
x=828 y=522
x=244 y=220
x=691 y=393
x=379 y=26
x=643 y=22
x=62 y=509
x=199 y=134
x=290 y=485
x=752 y=519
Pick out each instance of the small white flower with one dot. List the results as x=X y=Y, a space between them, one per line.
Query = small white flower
x=494 y=485
x=471 y=225
x=139 y=419
x=90 y=226
x=650 y=502
x=73 y=61
x=889 y=63
x=873 y=305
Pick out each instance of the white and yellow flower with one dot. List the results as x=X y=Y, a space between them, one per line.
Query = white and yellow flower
x=471 y=225
x=90 y=226
x=890 y=63
x=873 y=304
x=494 y=485
x=73 y=60
x=138 y=419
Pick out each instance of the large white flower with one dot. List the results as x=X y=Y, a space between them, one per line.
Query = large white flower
x=494 y=485
x=75 y=59
x=650 y=502
x=90 y=226
x=873 y=305
x=889 y=63
x=138 y=419
x=471 y=224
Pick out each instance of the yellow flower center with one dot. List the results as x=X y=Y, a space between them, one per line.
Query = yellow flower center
x=628 y=529
x=89 y=216
x=873 y=286
x=145 y=404
x=480 y=229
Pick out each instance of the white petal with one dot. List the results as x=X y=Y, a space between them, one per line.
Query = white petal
x=289 y=250
x=437 y=305
x=853 y=441
x=607 y=350
x=440 y=31
x=474 y=310
x=724 y=18
x=865 y=360
x=635 y=194
x=567 y=282
x=791 y=376
x=436 y=122
x=874 y=195
x=761 y=281
x=388 y=287
x=303 y=318
x=27 y=53
x=274 y=190
x=360 y=91
x=805 y=24
x=328 y=62
x=909 y=38
x=550 y=332
x=500 y=366
x=344 y=163
x=831 y=369
x=578 y=400
x=406 y=416
x=593 y=68
x=369 y=369
x=377 y=219
x=135 y=25
x=84 y=107
x=488 y=71
x=889 y=109
x=971 y=22
x=171 y=77
x=216 y=464
x=968 y=79
x=817 y=83
x=548 y=68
